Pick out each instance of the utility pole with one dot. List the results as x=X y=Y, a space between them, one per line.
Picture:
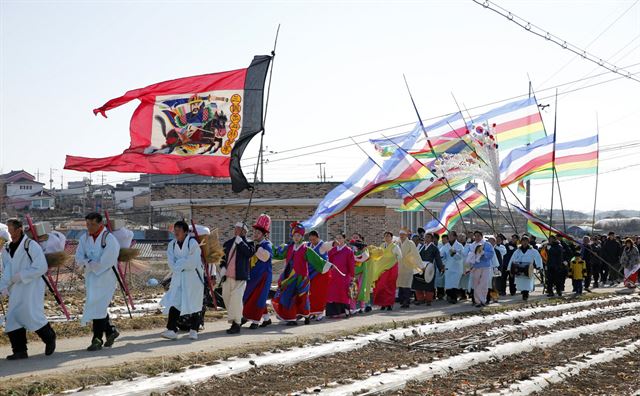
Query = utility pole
x=261 y=163
x=150 y=207
x=51 y=170
x=38 y=173
x=323 y=175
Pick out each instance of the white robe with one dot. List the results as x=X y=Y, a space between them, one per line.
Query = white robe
x=453 y=264
x=525 y=283
x=26 y=297
x=465 y=279
x=186 y=290
x=99 y=278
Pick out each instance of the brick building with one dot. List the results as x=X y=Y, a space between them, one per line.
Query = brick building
x=216 y=206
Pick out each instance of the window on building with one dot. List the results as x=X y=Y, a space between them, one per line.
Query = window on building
x=323 y=232
x=280 y=230
x=413 y=220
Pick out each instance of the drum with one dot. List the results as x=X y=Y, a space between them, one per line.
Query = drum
x=429 y=272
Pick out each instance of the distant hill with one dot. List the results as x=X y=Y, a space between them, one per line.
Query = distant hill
x=617 y=214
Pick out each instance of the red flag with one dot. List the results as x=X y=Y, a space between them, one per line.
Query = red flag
x=198 y=125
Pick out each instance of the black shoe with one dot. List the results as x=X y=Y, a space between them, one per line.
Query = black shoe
x=234 y=329
x=265 y=323
x=550 y=295
x=292 y=323
x=595 y=285
x=96 y=345
x=383 y=308
x=307 y=320
x=111 y=338
x=243 y=321
x=50 y=346
x=367 y=309
x=18 y=355
x=254 y=326
x=405 y=306
x=559 y=294
x=389 y=308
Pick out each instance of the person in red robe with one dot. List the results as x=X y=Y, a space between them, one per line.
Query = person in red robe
x=318 y=282
x=291 y=301
x=340 y=278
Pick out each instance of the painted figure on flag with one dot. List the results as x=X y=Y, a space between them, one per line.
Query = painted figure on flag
x=195 y=124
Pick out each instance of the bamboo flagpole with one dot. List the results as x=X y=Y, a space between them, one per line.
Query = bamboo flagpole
x=553 y=163
x=260 y=161
x=48 y=280
x=595 y=194
x=207 y=270
x=554 y=175
x=426 y=135
x=122 y=280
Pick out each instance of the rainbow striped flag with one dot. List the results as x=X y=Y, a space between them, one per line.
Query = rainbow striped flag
x=535 y=161
x=515 y=124
x=522 y=189
x=575 y=158
x=421 y=192
x=466 y=202
x=539 y=228
x=367 y=179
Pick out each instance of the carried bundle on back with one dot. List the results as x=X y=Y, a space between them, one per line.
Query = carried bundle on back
x=128 y=254
x=57 y=259
x=211 y=247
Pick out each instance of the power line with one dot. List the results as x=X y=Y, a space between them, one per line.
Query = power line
x=168 y=178
x=538 y=31
x=448 y=114
x=593 y=41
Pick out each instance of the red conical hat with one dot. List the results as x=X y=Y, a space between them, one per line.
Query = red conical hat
x=263 y=223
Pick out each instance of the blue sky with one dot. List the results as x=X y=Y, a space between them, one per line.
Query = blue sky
x=338 y=72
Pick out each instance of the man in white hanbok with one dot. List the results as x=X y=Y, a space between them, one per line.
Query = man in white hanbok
x=98 y=252
x=520 y=265
x=186 y=291
x=24 y=265
x=453 y=260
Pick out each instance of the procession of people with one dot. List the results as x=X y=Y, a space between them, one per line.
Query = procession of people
x=321 y=279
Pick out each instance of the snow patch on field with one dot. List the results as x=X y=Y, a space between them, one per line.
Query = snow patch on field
x=398 y=379
x=560 y=373
x=144 y=385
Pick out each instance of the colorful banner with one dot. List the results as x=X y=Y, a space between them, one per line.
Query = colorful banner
x=454 y=210
x=367 y=179
x=199 y=125
x=416 y=195
x=514 y=124
x=539 y=228
x=535 y=161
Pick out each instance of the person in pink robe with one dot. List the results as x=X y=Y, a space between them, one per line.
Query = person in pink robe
x=340 y=278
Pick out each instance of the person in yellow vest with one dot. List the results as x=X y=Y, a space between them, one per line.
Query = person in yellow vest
x=577 y=272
